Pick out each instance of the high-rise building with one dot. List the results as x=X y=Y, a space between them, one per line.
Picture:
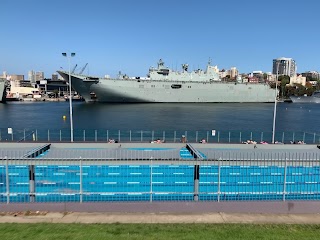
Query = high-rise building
x=39 y=76
x=233 y=72
x=31 y=77
x=54 y=77
x=285 y=66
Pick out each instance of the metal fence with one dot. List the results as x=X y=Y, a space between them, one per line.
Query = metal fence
x=104 y=135
x=131 y=175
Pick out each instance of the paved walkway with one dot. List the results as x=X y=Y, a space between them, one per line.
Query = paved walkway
x=77 y=217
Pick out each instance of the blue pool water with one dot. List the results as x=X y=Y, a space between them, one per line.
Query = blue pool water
x=169 y=183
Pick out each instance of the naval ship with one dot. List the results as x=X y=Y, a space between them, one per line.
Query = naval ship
x=2 y=90
x=314 y=98
x=164 y=85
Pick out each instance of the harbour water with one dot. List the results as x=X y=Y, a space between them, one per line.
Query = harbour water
x=241 y=117
x=207 y=116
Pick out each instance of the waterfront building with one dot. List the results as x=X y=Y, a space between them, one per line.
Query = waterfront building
x=287 y=66
x=52 y=85
x=54 y=77
x=33 y=77
x=222 y=74
x=233 y=72
x=298 y=79
x=311 y=75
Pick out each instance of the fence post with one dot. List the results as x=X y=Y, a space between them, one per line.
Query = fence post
x=12 y=136
x=7 y=181
x=240 y=137
x=130 y=136
x=251 y=136
x=314 y=137
x=229 y=136
x=174 y=136
x=152 y=135
x=84 y=135
x=80 y=180
x=219 y=177
x=196 y=182
x=261 y=136
x=31 y=183
x=207 y=136
x=284 y=181
x=164 y=136
x=196 y=136
x=36 y=135
x=24 y=134
x=141 y=136
x=151 y=179
x=60 y=135
x=283 y=137
x=107 y=135
x=119 y=136
x=304 y=136
x=95 y=135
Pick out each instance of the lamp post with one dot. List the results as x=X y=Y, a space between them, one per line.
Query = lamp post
x=70 y=95
x=275 y=106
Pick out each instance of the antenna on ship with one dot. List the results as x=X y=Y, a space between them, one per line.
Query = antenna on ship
x=74 y=68
x=81 y=71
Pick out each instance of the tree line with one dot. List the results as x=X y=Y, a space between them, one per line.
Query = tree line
x=286 y=90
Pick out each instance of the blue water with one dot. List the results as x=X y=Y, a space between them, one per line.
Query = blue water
x=161 y=117
x=233 y=122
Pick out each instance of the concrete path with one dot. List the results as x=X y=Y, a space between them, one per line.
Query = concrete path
x=81 y=217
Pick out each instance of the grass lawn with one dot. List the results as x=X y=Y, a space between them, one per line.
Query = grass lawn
x=157 y=231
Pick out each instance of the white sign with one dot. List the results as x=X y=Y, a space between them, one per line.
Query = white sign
x=9 y=130
x=213 y=133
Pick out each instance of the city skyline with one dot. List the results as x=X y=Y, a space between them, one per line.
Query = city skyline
x=129 y=36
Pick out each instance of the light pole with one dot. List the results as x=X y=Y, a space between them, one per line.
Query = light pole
x=275 y=106
x=70 y=95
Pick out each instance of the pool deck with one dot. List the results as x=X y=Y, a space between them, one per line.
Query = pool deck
x=212 y=218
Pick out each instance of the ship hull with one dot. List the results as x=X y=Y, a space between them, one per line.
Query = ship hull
x=2 y=91
x=305 y=99
x=135 y=91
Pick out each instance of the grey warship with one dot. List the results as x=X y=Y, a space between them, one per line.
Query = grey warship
x=168 y=86
x=314 y=98
x=2 y=90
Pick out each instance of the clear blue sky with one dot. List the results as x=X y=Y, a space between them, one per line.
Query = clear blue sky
x=131 y=35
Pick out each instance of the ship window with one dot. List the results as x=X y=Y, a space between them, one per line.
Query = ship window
x=176 y=86
x=163 y=71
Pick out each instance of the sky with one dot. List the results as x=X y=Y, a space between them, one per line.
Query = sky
x=132 y=35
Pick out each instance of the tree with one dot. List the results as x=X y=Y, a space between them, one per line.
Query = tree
x=56 y=92
x=284 y=80
x=265 y=76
